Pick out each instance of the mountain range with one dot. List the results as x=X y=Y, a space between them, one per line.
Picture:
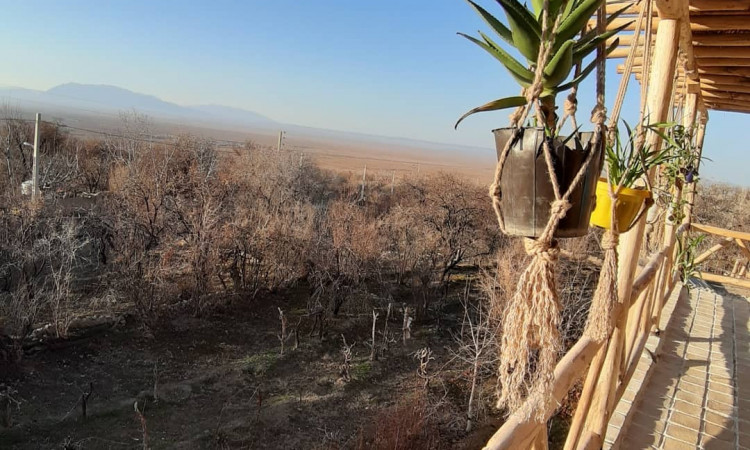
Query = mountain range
x=70 y=100
x=112 y=99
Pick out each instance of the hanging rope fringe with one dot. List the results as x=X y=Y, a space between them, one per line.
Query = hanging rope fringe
x=600 y=320
x=531 y=339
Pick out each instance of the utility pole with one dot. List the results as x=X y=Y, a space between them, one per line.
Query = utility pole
x=364 y=177
x=35 y=166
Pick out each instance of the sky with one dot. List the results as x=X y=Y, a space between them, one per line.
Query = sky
x=388 y=67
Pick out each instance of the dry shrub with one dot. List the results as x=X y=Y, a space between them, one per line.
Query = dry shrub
x=436 y=224
x=346 y=254
x=404 y=426
x=41 y=254
x=724 y=206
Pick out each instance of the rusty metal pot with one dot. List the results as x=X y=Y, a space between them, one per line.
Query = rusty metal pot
x=527 y=191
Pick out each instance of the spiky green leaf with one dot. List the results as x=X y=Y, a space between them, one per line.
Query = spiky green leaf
x=583 y=49
x=516 y=69
x=495 y=105
x=523 y=18
x=575 y=22
x=587 y=70
x=524 y=27
x=498 y=27
x=559 y=66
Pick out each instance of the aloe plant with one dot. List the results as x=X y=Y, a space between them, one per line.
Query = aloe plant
x=523 y=32
x=628 y=160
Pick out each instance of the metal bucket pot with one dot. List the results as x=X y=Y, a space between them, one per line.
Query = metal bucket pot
x=527 y=191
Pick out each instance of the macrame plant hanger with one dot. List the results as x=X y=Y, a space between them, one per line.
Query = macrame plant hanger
x=531 y=342
x=600 y=318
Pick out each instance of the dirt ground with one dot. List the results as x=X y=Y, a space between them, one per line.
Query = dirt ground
x=220 y=382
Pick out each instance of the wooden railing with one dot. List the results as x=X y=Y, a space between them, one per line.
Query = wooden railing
x=634 y=319
x=739 y=276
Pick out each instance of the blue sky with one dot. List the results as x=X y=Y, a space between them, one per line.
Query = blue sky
x=391 y=67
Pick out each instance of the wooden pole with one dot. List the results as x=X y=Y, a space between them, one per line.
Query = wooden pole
x=35 y=164
x=691 y=187
x=689 y=114
x=281 y=137
x=660 y=93
x=364 y=180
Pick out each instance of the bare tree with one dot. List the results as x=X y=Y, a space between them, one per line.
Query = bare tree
x=477 y=348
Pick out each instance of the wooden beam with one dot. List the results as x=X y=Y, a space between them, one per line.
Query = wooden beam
x=707 y=254
x=705 y=63
x=614 y=7
x=626 y=40
x=726 y=80
x=568 y=371
x=706 y=87
x=720 y=23
x=738 y=71
x=658 y=101
x=721 y=231
x=738 y=39
x=672 y=9
x=711 y=95
x=698 y=23
x=729 y=108
x=698 y=6
x=725 y=280
x=744 y=248
x=629 y=21
x=715 y=51
x=623 y=52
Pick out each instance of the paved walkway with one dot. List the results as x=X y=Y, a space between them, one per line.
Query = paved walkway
x=697 y=394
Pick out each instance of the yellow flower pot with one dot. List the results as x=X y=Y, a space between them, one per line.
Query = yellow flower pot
x=630 y=206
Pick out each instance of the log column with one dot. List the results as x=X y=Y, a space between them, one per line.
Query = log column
x=603 y=379
x=690 y=188
x=665 y=276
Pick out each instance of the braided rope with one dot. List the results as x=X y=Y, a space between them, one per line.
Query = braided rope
x=531 y=342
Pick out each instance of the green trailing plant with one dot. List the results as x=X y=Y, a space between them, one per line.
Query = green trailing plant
x=524 y=33
x=629 y=159
x=683 y=167
x=685 y=259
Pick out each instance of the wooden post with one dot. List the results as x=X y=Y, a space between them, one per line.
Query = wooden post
x=393 y=181
x=690 y=188
x=660 y=93
x=664 y=277
x=364 y=180
x=281 y=137
x=35 y=166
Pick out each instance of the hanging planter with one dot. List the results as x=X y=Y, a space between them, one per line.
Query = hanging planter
x=628 y=162
x=544 y=185
x=630 y=206
x=527 y=191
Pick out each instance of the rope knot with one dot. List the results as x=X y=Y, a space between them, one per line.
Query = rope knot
x=610 y=240
x=571 y=104
x=599 y=114
x=559 y=208
x=547 y=250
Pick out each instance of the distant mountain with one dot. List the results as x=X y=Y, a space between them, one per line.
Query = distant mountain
x=73 y=99
x=105 y=98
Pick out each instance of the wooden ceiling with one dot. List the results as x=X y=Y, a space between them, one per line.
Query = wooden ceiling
x=714 y=48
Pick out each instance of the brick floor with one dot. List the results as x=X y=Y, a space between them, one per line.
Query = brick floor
x=697 y=394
